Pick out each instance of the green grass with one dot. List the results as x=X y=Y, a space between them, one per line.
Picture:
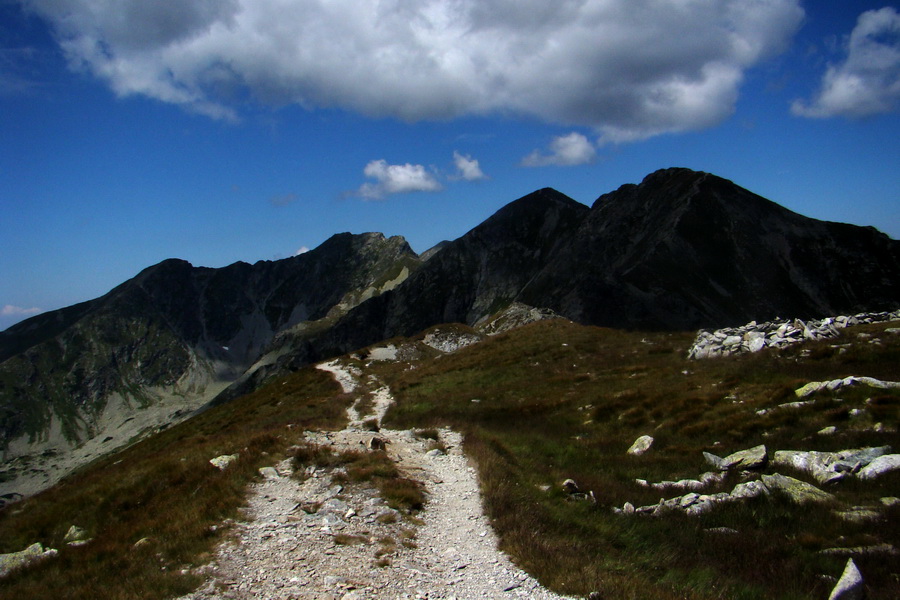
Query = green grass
x=162 y=489
x=537 y=405
x=556 y=400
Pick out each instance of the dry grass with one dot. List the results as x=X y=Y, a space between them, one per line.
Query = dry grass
x=162 y=489
x=555 y=400
x=537 y=405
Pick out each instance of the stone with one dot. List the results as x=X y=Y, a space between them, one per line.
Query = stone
x=30 y=555
x=222 y=462
x=798 y=491
x=850 y=586
x=640 y=445
x=375 y=443
x=752 y=458
x=858 y=514
x=269 y=472
x=715 y=461
x=879 y=466
x=830 y=430
x=828 y=467
x=76 y=536
x=749 y=489
x=434 y=453
x=570 y=487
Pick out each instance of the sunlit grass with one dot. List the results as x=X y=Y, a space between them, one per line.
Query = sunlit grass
x=555 y=400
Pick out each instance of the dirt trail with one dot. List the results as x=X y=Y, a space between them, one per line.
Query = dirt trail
x=353 y=546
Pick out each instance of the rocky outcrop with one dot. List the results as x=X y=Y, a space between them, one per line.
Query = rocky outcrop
x=754 y=336
x=836 y=384
x=19 y=560
x=829 y=467
x=513 y=316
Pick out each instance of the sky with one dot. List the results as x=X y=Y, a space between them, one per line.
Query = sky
x=219 y=131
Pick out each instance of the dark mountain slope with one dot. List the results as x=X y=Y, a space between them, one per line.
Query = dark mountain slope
x=684 y=250
x=469 y=278
x=177 y=329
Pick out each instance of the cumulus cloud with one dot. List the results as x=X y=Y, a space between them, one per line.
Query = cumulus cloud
x=467 y=168
x=18 y=312
x=629 y=68
x=867 y=82
x=565 y=151
x=396 y=179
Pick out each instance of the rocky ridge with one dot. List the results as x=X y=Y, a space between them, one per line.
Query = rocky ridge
x=778 y=333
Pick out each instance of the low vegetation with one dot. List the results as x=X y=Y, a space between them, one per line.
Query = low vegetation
x=157 y=508
x=554 y=401
x=537 y=405
x=358 y=466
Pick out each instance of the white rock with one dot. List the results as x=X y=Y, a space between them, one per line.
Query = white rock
x=850 y=586
x=641 y=445
x=222 y=462
x=881 y=465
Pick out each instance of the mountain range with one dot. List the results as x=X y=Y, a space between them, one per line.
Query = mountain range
x=681 y=250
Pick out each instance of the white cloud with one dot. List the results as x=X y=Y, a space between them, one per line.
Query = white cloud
x=467 y=167
x=565 y=151
x=396 y=179
x=868 y=81
x=628 y=68
x=17 y=311
x=301 y=250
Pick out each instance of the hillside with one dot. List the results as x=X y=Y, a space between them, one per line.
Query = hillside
x=536 y=405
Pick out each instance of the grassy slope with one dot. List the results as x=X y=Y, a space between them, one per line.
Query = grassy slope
x=555 y=400
x=163 y=489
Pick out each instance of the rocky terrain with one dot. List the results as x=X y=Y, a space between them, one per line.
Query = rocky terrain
x=309 y=537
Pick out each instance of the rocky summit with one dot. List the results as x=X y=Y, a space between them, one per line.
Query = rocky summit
x=681 y=250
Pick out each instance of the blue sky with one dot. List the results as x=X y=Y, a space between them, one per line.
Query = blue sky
x=226 y=130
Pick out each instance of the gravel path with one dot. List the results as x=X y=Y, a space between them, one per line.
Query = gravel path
x=318 y=539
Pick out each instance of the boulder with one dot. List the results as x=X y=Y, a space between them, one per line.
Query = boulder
x=222 y=462
x=30 y=555
x=641 y=445
x=269 y=472
x=850 y=586
x=828 y=467
x=752 y=458
x=798 y=491
x=76 y=536
x=879 y=466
